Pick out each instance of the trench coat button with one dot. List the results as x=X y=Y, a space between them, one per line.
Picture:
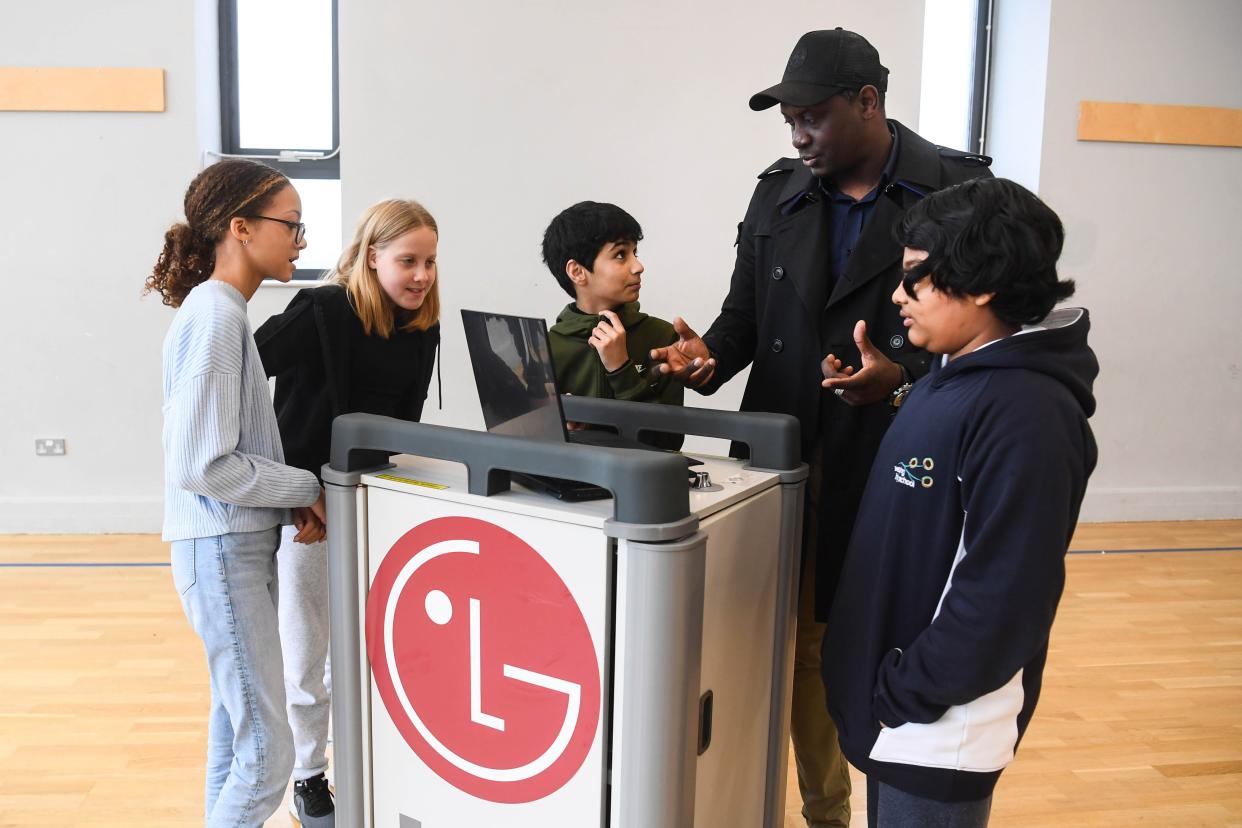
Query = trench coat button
x=778 y=273
x=777 y=346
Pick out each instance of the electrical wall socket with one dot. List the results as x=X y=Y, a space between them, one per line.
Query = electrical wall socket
x=50 y=447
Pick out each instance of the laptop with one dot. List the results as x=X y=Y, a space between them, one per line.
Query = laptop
x=516 y=380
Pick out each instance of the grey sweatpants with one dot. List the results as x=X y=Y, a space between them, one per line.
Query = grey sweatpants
x=303 y=612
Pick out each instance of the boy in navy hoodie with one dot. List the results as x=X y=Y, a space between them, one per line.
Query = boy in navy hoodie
x=939 y=633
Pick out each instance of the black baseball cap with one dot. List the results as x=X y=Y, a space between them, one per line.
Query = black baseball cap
x=822 y=64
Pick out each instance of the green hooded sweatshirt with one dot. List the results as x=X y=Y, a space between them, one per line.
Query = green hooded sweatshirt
x=580 y=371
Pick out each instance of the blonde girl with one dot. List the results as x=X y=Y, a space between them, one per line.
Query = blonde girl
x=364 y=341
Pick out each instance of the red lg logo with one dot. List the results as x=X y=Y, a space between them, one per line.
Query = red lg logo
x=483 y=660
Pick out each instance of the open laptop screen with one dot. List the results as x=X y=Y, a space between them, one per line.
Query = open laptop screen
x=513 y=372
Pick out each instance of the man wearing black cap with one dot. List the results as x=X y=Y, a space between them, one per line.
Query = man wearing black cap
x=816 y=266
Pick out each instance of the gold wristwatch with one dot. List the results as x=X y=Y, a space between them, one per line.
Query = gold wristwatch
x=899 y=394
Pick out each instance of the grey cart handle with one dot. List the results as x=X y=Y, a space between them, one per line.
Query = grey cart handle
x=773 y=439
x=648 y=487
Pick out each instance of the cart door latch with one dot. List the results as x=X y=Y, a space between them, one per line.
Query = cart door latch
x=705 y=722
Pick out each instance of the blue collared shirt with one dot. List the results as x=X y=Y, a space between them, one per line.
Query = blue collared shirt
x=847 y=216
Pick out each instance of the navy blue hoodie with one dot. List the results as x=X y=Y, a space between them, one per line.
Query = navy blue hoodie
x=957 y=562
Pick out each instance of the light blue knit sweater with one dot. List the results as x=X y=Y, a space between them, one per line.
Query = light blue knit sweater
x=224 y=468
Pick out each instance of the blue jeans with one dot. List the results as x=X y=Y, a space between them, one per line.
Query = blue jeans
x=228 y=589
x=888 y=807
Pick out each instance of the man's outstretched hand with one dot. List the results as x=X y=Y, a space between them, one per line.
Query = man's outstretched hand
x=687 y=359
x=877 y=378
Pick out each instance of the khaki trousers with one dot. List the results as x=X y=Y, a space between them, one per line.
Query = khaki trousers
x=823 y=773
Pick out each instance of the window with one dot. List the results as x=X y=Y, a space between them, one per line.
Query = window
x=956 y=46
x=278 y=104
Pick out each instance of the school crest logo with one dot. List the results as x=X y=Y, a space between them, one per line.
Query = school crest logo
x=915 y=473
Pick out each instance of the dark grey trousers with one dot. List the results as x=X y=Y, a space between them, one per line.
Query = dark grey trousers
x=888 y=807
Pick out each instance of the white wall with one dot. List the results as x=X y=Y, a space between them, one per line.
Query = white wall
x=1149 y=239
x=499 y=115
x=84 y=200
x=496 y=115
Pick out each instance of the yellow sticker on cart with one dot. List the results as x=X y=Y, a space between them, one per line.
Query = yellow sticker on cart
x=411 y=481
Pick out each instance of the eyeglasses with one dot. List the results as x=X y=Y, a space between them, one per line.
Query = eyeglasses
x=298 y=228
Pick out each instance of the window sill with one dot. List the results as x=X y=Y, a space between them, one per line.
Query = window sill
x=302 y=277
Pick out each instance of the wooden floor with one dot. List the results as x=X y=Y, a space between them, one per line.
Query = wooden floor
x=103 y=687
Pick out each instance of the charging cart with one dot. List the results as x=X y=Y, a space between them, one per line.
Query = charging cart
x=502 y=658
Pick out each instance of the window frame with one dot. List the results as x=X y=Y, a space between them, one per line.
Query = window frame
x=326 y=168
x=980 y=76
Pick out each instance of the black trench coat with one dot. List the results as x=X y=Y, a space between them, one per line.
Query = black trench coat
x=779 y=316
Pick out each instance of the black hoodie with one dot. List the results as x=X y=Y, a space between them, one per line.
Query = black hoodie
x=326 y=365
x=940 y=625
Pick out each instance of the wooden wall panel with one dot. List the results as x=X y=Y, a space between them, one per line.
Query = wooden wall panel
x=60 y=89
x=1159 y=124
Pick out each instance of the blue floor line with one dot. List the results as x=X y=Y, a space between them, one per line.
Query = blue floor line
x=102 y=565
x=75 y=565
x=1159 y=549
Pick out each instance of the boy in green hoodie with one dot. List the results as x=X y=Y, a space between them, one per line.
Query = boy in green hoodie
x=601 y=341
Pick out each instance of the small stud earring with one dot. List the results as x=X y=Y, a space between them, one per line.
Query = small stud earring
x=245 y=242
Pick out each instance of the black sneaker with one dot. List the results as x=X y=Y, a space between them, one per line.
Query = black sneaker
x=312 y=803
